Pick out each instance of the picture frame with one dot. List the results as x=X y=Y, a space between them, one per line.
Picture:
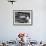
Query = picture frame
x=22 y=17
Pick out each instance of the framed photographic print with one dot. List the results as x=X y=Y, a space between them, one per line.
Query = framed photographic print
x=22 y=17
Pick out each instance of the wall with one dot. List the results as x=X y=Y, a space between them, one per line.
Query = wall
x=37 y=31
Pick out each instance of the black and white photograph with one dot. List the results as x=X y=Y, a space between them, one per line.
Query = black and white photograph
x=22 y=16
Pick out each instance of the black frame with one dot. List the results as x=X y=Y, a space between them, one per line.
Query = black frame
x=22 y=11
